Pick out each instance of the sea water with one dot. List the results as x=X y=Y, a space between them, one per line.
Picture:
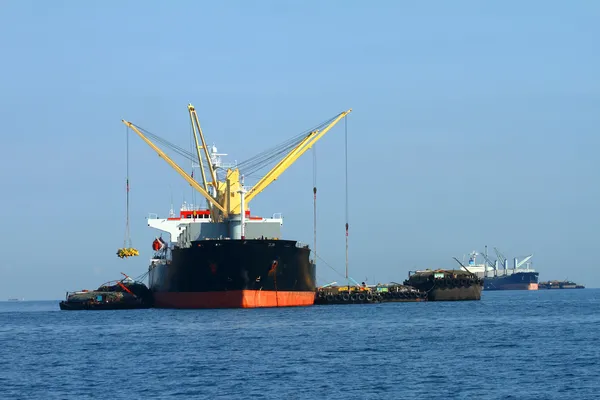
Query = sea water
x=510 y=345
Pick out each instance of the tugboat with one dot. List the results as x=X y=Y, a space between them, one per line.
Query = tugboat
x=121 y=294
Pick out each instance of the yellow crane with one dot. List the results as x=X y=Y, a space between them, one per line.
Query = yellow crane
x=201 y=146
x=224 y=197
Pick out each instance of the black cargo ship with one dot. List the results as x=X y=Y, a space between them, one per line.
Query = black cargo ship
x=221 y=256
x=494 y=278
x=514 y=281
x=234 y=273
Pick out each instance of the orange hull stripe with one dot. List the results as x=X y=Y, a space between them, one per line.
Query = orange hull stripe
x=233 y=299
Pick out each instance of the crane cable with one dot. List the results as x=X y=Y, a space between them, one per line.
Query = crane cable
x=346 y=173
x=314 y=151
x=127 y=239
x=127 y=250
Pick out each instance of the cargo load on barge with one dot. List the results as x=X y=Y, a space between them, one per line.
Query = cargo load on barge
x=363 y=294
x=222 y=256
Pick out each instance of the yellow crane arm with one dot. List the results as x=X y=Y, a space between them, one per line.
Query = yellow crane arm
x=291 y=157
x=211 y=170
x=177 y=168
x=200 y=163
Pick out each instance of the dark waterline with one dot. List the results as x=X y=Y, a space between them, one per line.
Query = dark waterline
x=509 y=345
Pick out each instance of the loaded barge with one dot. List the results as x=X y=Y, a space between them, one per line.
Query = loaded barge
x=121 y=294
x=423 y=285
x=560 y=285
x=446 y=285
x=367 y=295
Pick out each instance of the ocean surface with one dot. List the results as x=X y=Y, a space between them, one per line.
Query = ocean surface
x=509 y=345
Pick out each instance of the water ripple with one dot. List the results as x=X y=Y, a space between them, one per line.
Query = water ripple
x=511 y=345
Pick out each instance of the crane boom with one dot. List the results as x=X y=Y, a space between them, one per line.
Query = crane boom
x=487 y=259
x=291 y=157
x=198 y=147
x=225 y=195
x=177 y=168
x=284 y=160
x=523 y=261
x=501 y=257
x=196 y=125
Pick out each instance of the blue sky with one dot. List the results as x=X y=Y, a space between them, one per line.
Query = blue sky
x=473 y=124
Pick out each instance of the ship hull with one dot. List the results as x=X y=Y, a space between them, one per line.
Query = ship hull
x=234 y=274
x=516 y=281
x=234 y=299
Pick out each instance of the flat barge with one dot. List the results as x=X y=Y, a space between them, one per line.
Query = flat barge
x=560 y=285
x=362 y=294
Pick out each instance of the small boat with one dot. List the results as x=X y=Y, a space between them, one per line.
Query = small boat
x=114 y=295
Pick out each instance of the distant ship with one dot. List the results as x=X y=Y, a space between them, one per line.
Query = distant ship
x=520 y=277
x=560 y=285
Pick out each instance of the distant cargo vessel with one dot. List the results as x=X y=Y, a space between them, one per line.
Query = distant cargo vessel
x=494 y=278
